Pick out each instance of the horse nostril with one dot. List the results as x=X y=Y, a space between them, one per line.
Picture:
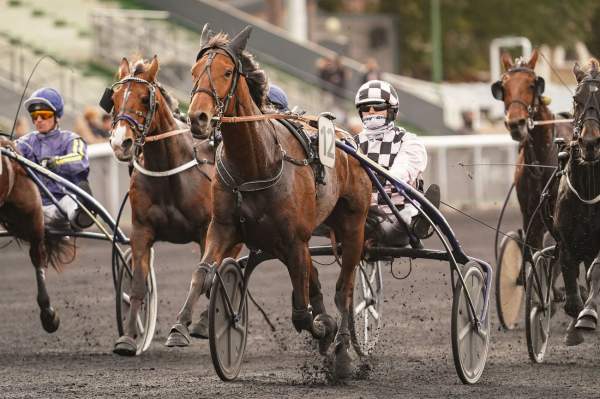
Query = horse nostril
x=127 y=143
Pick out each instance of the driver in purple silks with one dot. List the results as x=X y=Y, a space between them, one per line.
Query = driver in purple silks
x=61 y=151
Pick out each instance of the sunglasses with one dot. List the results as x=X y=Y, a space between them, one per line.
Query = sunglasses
x=44 y=114
x=375 y=107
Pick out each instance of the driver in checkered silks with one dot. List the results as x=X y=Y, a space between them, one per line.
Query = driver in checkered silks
x=404 y=155
x=61 y=151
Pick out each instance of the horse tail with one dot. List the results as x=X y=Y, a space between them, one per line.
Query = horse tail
x=60 y=251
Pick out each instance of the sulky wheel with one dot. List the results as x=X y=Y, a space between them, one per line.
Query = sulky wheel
x=538 y=307
x=146 y=322
x=228 y=326
x=509 y=282
x=367 y=301
x=470 y=340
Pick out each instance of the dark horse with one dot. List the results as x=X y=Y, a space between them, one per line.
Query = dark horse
x=577 y=212
x=265 y=200
x=170 y=185
x=22 y=216
x=521 y=91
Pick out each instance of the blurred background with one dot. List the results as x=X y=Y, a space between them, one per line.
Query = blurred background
x=441 y=55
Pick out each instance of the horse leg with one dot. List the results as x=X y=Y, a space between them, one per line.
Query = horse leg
x=141 y=242
x=573 y=303
x=199 y=329
x=216 y=250
x=49 y=317
x=320 y=317
x=588 y=317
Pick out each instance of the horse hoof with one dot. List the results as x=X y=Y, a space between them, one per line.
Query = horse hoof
x=50 y=320
x=199 y=329
x=573 y=306
x=343 y=363
x=574 y=336
x=587 y=320
x=328 y=324
x=125 y=346
x=178 y=336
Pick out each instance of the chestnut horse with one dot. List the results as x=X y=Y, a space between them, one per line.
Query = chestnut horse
x=265 y=200
x=22 y=216
x=521 y=91
x=170 y=185
x=577 y=212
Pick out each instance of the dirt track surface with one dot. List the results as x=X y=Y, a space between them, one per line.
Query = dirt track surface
x=413 y=359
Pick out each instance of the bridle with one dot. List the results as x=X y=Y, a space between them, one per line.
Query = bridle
x=531 y=108
x=591 y=104
x=128 y=115
x=221 y=104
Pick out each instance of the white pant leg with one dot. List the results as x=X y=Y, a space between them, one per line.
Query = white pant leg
x=53 y=216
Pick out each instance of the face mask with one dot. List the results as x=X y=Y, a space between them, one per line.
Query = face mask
x=372 y=122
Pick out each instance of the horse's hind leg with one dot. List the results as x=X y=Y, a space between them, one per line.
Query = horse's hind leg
x=320 y=317
x=49 y=317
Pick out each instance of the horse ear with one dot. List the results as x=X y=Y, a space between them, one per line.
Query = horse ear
x=124 y=68
x=533 y=59
x=507 y=61
x=206 y=34
x=238 y=43
x=578 y=72
x=153 y=69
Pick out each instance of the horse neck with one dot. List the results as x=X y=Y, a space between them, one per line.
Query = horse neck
x=249 y=148
x=170 y=152
x=540 y=147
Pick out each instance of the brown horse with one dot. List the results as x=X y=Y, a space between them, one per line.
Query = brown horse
x=22 y=216
x=265 y=200
x=170 y=185
x=521 y=90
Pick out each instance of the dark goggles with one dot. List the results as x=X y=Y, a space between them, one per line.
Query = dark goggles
x=375 y=107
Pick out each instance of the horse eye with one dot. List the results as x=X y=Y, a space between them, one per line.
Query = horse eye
x=228 y=73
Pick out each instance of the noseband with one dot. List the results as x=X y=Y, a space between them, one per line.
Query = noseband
x=221 y=104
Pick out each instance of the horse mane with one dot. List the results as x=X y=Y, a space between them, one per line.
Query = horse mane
x=140 y=66
x=593 y=68
x=256 y=78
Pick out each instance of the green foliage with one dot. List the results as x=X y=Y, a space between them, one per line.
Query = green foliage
x=468 y=27
x=36 y=12
x=59 y=23
x=14 y=3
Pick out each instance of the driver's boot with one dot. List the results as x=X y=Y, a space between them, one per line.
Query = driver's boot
x=420 y=226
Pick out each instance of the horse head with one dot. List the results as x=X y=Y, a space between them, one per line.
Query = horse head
x=586 y=110
x=520 y=89
x=134 y=100
x=222 y=66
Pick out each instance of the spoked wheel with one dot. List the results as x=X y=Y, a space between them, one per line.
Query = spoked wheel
x=470 y=340
x=228 y=326
x=509 y=282
x=367 y=301
x=146 y=322
x=538 y=307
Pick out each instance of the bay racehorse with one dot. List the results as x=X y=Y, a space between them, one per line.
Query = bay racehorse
x=21 y=214
x=170 y=184
x=265 y=198
x=577 y=212
x=521 y=89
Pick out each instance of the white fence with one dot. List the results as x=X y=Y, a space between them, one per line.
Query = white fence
x=481 y=186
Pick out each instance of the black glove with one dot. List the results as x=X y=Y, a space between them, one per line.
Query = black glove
x=49 y=163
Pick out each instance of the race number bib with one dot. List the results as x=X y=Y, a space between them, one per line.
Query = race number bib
x=326 y=142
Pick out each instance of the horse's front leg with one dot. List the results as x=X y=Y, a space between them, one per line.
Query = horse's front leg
x=141 y=242
x=573 y=303
x=222 y=241
x=39 y=258
x=588 y=317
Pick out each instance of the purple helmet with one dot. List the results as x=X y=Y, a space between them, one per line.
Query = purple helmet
x=46 y=98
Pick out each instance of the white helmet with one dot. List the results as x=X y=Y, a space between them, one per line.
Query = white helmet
x=378 y=92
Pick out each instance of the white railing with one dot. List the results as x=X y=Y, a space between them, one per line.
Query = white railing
x=479 y=186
